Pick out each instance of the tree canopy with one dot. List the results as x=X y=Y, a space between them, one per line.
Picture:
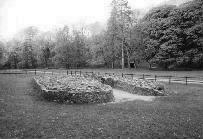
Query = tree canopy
x=167 y=36
x=174 y=35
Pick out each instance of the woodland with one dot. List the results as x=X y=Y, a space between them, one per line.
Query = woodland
x=167 y=37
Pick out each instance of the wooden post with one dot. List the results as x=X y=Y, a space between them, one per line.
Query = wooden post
x=35 y=71
x=75 y=72
x=122 y=74
x=155 y=78
x=71 y=72
x=80 y=73
x=186 y=81
x=67 y=72
x=143 y=76
x=169 y=80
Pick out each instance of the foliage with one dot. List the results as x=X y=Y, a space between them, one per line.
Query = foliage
x=71 y=51
x=118 y=31
x=169 y=36
x=2 y=51
x=174 y=35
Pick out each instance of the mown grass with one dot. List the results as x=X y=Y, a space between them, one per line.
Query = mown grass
x=23 y=114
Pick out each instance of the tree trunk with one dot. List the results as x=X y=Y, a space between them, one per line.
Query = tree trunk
x=128 y=56
x=122 y=60
x=112 y=64
x=150 y=65
x=122 y=29
x=135 y=65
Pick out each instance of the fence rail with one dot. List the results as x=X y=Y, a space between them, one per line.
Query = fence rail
x=162 y=78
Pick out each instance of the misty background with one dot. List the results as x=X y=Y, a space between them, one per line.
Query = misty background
x=50 y=14
x=165 y=34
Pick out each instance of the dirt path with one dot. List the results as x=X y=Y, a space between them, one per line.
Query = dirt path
x=122 y=96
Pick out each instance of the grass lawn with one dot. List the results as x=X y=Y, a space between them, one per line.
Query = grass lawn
x=23 y=114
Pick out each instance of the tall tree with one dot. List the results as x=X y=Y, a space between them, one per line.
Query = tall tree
x=45 y=50
x=1 y=53
x=70 y=49
x=79 y=48
x=63 y=48
x=29 y=60
x=119 y=27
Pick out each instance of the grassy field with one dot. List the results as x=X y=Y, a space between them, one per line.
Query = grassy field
x=24 y=114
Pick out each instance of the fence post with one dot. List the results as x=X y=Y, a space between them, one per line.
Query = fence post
x=80 y=73
x=155 y=78
x=186 y=80
x=35 y=71
x=75 y=72
x=143 y=76
x=169 y=80
x=71 y=72
x=67 y=72
x=122 y=74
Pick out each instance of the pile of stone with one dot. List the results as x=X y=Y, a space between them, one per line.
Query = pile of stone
x=73 y=89
x=134 y=86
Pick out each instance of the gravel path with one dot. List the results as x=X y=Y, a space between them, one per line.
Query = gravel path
x=122 y=96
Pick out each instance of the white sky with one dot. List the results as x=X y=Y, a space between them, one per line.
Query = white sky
x=47 y=14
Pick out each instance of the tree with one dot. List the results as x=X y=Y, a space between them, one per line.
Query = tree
x=80 y=51
x=1 y=53
x=63 y=48
x=45 y=49
x=70 y=49
x=136 y=47
x=13 y=54
x=29 y=60
x=173 y=35
x=1 y=50
x=118 y=28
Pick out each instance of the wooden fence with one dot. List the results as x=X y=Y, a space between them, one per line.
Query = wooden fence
x=163 y=78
